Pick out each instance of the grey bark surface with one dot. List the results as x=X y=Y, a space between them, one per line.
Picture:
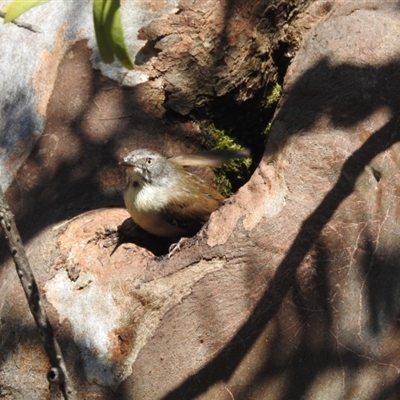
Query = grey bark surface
x=290 y=291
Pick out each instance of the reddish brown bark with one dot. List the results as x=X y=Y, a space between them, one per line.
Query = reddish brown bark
x=210 y=49
x=292 y=288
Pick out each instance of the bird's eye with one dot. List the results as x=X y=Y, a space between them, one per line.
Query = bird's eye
x=149 y=161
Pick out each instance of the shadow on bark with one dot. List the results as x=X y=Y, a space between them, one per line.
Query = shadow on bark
x=346 y=94
x=26 y=337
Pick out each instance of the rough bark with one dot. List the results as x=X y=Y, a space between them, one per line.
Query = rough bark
x=58 y=374
x=290 y=291
x=210 y=49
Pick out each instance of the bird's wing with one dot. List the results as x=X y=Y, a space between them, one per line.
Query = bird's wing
x=212 y=158
x=192 y=205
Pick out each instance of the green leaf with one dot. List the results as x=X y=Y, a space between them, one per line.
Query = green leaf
x=109 y=32
x=101 y=9
x=18 y=7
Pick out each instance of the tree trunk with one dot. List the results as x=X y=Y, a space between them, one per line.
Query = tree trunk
x=290 y=291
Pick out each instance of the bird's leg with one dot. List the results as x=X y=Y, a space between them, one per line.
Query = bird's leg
x=175 y=247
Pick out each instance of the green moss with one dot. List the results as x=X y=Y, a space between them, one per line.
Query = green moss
x=271 y=102
x=267 y=128
x=274 y=96
x=242 y=128
x=234 y=172
x=224 y=186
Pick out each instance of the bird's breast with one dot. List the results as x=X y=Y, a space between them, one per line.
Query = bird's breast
x=146 y=206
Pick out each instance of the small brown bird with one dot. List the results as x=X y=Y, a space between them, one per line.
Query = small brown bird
x=166 y=200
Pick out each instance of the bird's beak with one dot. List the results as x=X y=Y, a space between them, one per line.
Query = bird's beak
x=126 y=164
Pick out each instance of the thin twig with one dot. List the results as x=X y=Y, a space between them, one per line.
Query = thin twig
x=21 y=24
x=110 y=118
x=229 y=393
x=58 y=373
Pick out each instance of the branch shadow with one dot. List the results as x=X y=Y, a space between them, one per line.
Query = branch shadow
x=346 y=94
x=73 y=166
x=21 y=340
x=344 y=107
